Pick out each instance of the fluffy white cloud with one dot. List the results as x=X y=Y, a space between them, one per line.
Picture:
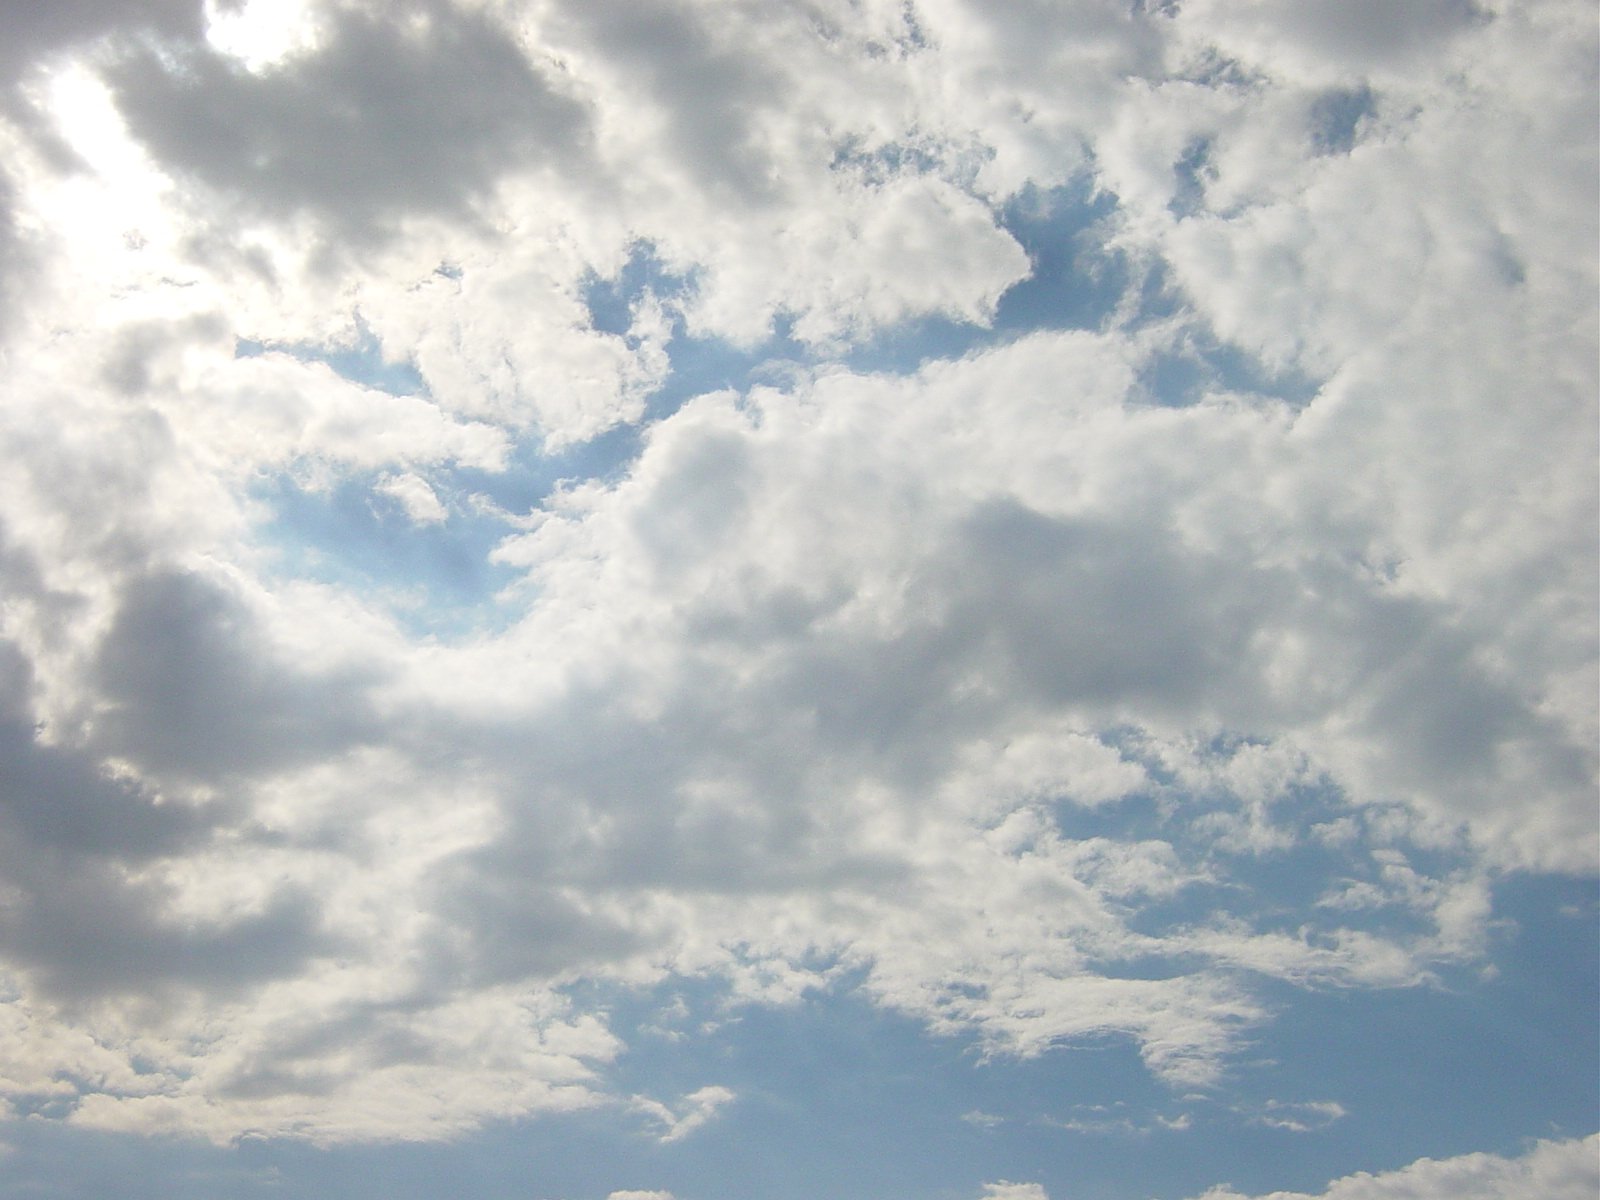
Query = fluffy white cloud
x=816 y=684
x=419 y=501
x=1549 y=1170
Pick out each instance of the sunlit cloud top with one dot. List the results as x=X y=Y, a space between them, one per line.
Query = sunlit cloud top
x=551 y=548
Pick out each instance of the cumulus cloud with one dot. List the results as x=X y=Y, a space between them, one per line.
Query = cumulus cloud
x=809 y=673
x=417 y=500
x=1549 y=1170
x=412 y=110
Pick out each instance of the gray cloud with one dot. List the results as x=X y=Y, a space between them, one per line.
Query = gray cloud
x=81 y=926
x=83 y=932
x=1084 y=613
x=192 y=692
x=707 y=95
x=77 y=916
x=1362 y=34
x=52 y=798
x=377 y=122
x=506 y=925
x=37 y=32
x=16 y=260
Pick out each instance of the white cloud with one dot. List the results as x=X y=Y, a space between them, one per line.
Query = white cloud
x=1300 y=1116
x=1549 y=1170
x=419 y=501
x=817 y=685
x=261 y=34
x=690 y=1113
x=1005 y=1190
x=1331 y=40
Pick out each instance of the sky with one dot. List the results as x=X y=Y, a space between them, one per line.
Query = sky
x=802 y=599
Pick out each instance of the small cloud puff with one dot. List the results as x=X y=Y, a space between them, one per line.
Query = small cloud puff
x=419 y=501
x=984 y=1120
x=1300 y=1117
x=1006 y=1190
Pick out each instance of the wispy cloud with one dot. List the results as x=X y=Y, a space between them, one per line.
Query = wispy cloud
x=690 y=1113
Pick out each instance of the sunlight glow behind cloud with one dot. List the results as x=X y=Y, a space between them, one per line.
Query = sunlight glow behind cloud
x=540 y=531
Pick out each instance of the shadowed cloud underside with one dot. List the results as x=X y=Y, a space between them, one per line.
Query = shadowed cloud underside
x=604 y=599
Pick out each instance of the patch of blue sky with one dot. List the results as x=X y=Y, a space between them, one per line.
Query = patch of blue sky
x=702 y=365
x=435 y=580
x=1484 y=1064
x=1433 y=1071
x=1281 y=876
x=612 y=301
x=812 y=1081
x=817 y=1076
x=1190 y=173
x=1073 y=284
x=1337 y=116
x=360 y=361
x=883 y=161
x=699 y=365
x=1078 y=281
x=534 y=472
x=1198 y=363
